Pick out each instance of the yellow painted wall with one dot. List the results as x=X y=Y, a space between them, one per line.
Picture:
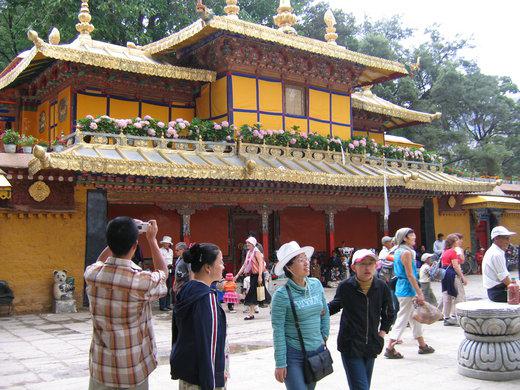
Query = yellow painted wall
x=244 y=93
x=302 y=123
x=272 y=122
x=33 y=247
x=448 y=223
x=244 y=118
x=319 y=127
x=219 y=97
x=340 y=109
x=161 y=113
x=319 y=104
x=123 y=109
x=64 y=124
x=341 y=131
x=44 y=107
x=512 y=222
x=29 y=123
x=202 y=102
x=378 y=137
x=270 y=94
x=184 y=113
x=90 y=105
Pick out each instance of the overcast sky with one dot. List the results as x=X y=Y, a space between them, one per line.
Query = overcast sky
x=493 y=25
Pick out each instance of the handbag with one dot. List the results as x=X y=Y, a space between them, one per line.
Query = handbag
x=260 y=293
x=315 y=367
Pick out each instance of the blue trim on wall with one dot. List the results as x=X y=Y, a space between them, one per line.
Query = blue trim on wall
x=308 y=108
x=231 y=117
x=330 y=112
x=209 y=100
x=351 y=117
x=74 y=110
x=218 y=117
x=6 y=118
x=257 y=99
x=108 y=106
x=283 y=104
x=140 y=109
x=169 y=112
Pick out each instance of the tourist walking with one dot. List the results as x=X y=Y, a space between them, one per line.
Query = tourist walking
x=123 y=352
x=366 y=318
x=438 y=245
x=425 y=278
x=454 y=280
x=311 y=311
x=167 y=253
x=407 y=291
x=253 y=266
x=197 y=358
x=387 y=264
x=495 y=276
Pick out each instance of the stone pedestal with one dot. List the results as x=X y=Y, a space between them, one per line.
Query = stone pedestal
x=65 y=306
x=491 y=349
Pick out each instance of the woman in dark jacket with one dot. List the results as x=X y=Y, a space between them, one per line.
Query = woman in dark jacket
x=365 y=320
x=198 y=353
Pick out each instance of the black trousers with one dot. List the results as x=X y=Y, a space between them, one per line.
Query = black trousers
x=498 y=293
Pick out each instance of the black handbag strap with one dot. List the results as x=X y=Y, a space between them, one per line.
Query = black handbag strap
x=296 y=322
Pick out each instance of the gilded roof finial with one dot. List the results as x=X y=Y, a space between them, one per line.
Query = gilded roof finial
x=84 y=26
x=285 y=19
x=231 y=9
x=330 y=22
x=54 y=36
x=33 y=36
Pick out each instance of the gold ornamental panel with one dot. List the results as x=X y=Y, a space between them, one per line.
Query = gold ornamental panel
x=39 y=191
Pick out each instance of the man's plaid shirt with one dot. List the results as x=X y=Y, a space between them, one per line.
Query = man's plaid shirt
x=123 y=351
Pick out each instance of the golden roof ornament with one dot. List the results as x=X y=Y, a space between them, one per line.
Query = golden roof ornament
x=34 y=38
x=54 y=36
x=285 y=19
x=84 y=27
x=231 y=9
x=330 y=22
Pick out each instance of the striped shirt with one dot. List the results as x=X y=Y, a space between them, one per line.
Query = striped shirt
x=313 y=316
x=123 y=351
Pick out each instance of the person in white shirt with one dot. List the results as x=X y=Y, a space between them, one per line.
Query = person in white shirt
x=167 y=253
x=495 y=276
x=425 y=279
x=387 y=265
x=438 y=245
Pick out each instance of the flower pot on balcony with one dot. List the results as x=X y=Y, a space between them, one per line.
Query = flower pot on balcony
x=57 y=148
x=27 y=149
x=10 y=148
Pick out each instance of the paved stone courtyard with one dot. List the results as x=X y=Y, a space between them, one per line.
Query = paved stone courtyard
x=50 y=351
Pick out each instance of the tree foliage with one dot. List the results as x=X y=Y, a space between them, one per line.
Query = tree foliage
x=479 y=130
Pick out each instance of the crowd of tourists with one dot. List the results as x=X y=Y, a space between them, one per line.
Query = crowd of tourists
x=377 y=299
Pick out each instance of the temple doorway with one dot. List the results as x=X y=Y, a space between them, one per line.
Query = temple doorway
x=242 y=223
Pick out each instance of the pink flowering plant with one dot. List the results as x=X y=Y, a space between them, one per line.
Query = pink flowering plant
x=255 y=134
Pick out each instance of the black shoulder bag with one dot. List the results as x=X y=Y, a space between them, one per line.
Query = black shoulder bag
x=314 y=367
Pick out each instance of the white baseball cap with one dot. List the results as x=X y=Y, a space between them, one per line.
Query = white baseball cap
x=359 y=255
x=500 y=231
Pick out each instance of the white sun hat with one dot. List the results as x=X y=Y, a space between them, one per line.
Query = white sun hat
x=167 y=240
x=287 y=252
x=500 y=231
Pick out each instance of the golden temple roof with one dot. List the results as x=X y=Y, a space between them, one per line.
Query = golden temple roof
x=207 y=160
x=377 y=67
x=487 y=201
x=399 y=116
x=100 y=54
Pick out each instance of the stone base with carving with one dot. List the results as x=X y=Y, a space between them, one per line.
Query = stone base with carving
x=65 y=306
x=491 y=350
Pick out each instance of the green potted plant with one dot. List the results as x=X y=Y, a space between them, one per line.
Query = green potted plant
x=27 y=143
x=10 y=139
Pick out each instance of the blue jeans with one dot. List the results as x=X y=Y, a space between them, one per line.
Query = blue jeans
x=359 y=372
x=295 y=379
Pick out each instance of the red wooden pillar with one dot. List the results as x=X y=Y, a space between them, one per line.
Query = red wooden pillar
x=265 y=232
x=330 y=227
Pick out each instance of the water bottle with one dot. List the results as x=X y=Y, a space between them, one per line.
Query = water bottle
x=513 y=293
